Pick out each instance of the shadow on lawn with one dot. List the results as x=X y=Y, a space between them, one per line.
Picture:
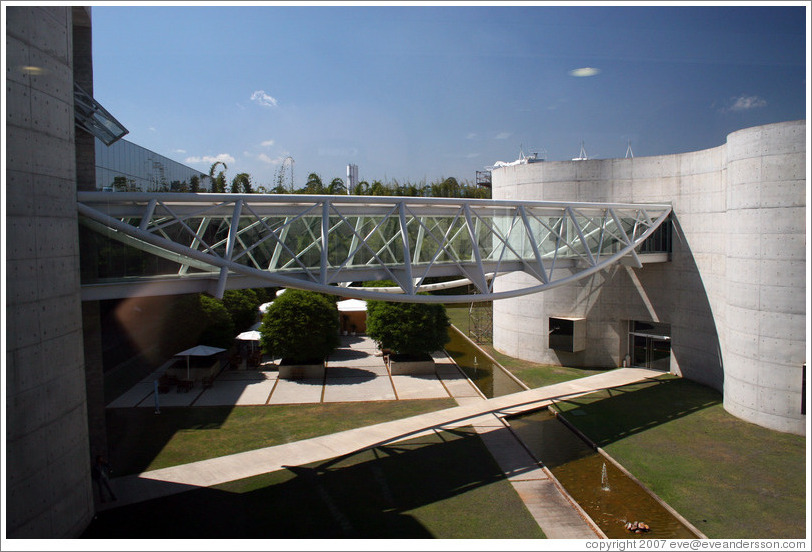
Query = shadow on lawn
x=369 y=494
x=619 y=412
x=136 y=435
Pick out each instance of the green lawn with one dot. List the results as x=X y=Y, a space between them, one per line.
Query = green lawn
x=730 y=478
x=535 y=375
x=140 y=440
x=445 y=485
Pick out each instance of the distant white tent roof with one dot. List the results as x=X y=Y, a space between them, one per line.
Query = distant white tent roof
x=251 y=335
x=352 y=305
x=263 y=308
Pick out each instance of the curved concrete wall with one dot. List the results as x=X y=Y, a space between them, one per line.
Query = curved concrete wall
x=48 y=485
x=734 y=290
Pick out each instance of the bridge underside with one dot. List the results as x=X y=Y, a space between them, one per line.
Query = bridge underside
x=158 y=244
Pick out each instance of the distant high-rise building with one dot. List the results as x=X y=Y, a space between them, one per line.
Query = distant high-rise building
x=352 y=177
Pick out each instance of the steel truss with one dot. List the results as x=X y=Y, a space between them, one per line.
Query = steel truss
x=319 y=242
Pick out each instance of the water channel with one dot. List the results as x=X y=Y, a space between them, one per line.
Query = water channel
x=492 y=380
x=605 y=492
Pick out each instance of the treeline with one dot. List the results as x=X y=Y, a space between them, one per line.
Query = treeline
x=243 y=183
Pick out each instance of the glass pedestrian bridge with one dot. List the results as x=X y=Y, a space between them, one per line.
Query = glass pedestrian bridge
x=169 y=243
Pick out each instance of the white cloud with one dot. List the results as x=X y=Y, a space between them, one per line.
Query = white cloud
x=152 y=128
x=267 y=143
x=472 y=155
x=179 y=151
x=745 y=103
x=264 y=99
x=504 y=135
x=471 y=135
x=584 y=72
x=265 y=159
x=223 y=157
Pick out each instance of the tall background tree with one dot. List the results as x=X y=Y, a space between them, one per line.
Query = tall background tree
x=218 y=183
x=241 y=184
x=336 y=187
x=314 y=185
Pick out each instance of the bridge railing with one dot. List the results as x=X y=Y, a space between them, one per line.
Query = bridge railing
x=317 y=242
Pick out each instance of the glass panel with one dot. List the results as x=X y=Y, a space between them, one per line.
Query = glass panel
x=639 y=351
x=660 y=355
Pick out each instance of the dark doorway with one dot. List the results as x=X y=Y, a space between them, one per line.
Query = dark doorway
x=650 y=345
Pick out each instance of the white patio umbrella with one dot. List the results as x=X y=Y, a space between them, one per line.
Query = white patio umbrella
x=250 y=335
x=199 y=351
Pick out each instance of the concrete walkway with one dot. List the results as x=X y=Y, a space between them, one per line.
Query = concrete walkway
x=477 y=411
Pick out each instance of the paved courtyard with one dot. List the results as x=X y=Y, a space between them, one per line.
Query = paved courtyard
x=355 y=372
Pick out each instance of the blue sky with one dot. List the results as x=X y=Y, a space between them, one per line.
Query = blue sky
x=424 y=92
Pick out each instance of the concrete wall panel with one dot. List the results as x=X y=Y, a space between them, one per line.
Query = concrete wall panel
x=48 y=485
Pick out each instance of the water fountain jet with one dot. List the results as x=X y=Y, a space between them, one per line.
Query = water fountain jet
x=605 y=479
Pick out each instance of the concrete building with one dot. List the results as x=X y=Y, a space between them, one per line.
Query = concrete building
x=728 y=310
x=142 y=170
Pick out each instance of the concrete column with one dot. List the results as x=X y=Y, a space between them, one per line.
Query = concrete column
x=766 y=267
x=48 y=484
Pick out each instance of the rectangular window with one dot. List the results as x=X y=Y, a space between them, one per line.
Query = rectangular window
x=567 y=334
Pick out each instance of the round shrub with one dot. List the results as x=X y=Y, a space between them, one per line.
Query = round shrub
x=408 y=328
x=301 y=327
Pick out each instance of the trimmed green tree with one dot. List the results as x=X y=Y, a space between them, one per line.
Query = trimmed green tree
x=414 y=329
x=218 y=327
x=242 y=305
x=301 y=327
x=196 y=319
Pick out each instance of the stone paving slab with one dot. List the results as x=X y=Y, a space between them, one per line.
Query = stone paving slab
x=297 y=391
x=515 y=462
x=135 y=395
x=247 y=375
x=358 y=342
x=419 y=387
x=356 y=371
x=350 y=389
x=557 y=516
x=240 y=392
x=459 y=386
x=373 y=365
x=173 y=398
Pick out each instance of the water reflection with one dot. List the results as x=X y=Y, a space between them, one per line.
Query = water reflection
x=489 y=378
